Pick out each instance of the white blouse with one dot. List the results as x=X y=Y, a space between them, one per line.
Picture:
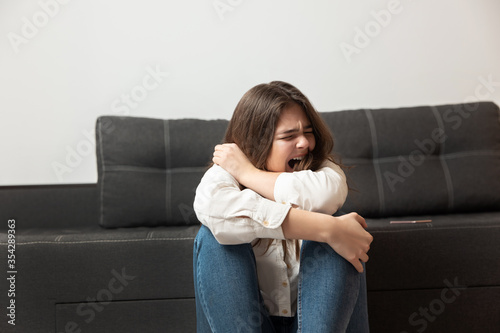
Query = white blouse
x=237 y=216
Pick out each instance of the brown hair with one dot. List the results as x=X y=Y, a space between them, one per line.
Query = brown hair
x=254 y=120
x=253 y=124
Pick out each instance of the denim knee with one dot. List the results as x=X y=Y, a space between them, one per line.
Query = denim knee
x=226 y=286
x=206 y=239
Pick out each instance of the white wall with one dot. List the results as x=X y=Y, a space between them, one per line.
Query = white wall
x=64 y=63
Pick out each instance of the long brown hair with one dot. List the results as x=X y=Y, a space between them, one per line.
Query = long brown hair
x=253 y=124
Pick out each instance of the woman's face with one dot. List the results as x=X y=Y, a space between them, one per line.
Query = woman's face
x=293 y=139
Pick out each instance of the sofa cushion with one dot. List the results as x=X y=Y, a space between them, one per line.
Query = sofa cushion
x=420 y=160
x=426 y=255
x=87 y=270
x=148 y=169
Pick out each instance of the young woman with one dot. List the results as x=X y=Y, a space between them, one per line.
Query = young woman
x=273 y=184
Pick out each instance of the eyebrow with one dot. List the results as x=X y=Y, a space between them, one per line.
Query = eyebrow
x=294 y=130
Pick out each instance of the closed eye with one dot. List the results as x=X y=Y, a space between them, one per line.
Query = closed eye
x=292 y=133
x=289 y=137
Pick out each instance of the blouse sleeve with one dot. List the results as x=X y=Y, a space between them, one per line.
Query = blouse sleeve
x=233 y=215
x=324 y=190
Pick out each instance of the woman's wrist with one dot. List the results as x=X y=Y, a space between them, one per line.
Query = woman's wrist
x=246 y=175
x=327 y=228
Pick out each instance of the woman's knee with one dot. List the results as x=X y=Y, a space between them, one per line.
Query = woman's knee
x=205 y=241
x=215 y=258
x=204 y=236
x=316 y=256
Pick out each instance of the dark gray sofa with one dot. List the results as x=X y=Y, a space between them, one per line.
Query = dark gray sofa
x=116 y=256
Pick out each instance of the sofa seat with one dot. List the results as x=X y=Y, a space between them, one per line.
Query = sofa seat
x=430 y=272
x=452 y=246
x=130 y=272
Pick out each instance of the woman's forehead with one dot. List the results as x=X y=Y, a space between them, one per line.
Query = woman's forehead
x=292 y=117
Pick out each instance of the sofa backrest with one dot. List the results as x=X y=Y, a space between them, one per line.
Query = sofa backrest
x=420 y=160
x=404 y=161
x=148 y=169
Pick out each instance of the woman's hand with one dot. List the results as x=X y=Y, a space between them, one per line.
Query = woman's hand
x=346 y=234
x=230 y=157
x=350 y=239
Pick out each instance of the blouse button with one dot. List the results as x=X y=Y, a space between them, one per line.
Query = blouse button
x=285 y=311
x=285 y=284
x=265 y=223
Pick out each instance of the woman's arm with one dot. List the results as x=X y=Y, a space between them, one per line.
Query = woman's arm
x=324 y=190
x=233 y=215
x=230 y=157
x=238 y=216
x=346 y=234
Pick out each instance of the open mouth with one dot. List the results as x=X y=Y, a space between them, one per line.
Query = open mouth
x=294 y=161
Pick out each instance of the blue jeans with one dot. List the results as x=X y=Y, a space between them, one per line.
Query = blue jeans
x=331 y=293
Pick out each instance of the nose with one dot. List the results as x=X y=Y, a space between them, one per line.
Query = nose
x=302 y=142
